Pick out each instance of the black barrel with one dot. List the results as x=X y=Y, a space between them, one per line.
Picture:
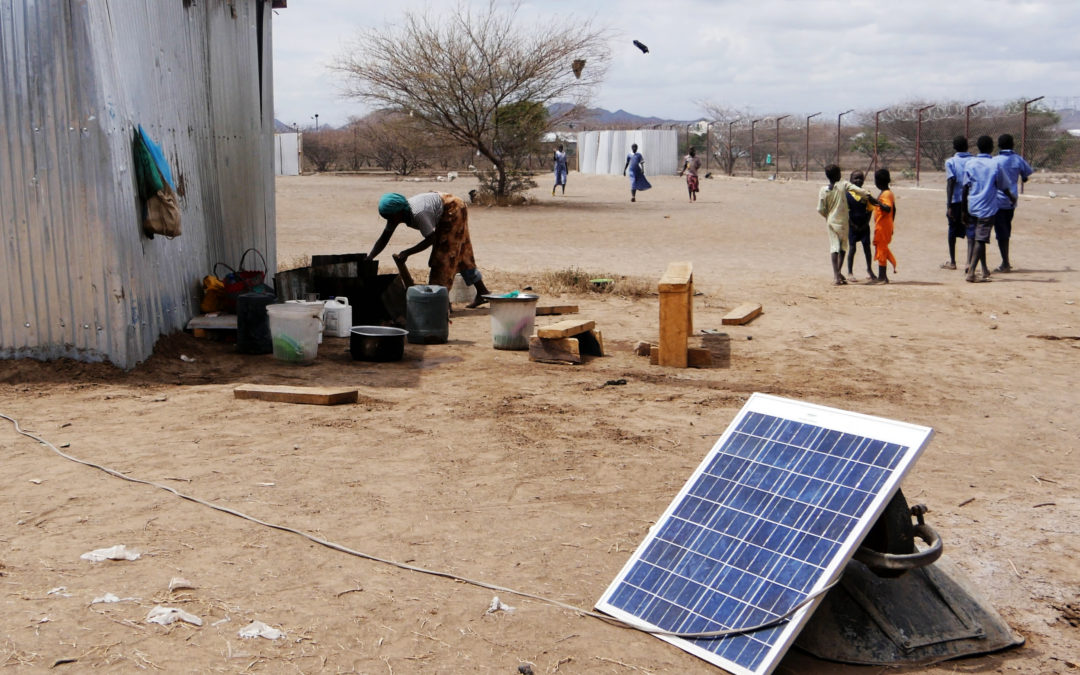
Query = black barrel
x=253 y=324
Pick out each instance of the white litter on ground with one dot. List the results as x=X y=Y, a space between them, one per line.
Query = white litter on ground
x=499 y=606
x=259 y=629
x=109 y=597
x=178 y=583
x=59 y=590
x=118 y=552
x=167 y=615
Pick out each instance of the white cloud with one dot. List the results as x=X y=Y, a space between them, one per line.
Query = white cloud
x=769 y=56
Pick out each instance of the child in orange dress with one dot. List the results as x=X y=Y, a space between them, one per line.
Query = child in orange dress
x=884 y=215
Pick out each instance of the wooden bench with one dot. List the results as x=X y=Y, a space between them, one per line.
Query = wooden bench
x=565 y=342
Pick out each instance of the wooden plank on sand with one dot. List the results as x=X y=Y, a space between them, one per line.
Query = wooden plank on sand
x=557 y=350
x=552 y=310
x=742 y=314
x=289 y=394
x=564 y=329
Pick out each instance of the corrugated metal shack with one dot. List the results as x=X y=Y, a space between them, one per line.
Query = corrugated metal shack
x=605 y=152
x=78 y=278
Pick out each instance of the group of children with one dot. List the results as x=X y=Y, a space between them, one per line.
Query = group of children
x=981 y=198
x=981 y=195
x=846 y=207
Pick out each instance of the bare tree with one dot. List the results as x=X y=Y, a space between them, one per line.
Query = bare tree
x=461 y=71
x=723 y=146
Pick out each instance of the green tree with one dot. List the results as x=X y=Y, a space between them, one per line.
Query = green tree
x=458 y=70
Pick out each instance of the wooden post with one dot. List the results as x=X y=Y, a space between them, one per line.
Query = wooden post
x=676 y=313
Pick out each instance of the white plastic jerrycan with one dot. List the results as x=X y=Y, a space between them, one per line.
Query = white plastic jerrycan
x=338 y=317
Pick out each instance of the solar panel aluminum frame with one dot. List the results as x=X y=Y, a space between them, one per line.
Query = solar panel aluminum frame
x=912 y=439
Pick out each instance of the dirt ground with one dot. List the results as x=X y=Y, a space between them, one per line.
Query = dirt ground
x=543 y=478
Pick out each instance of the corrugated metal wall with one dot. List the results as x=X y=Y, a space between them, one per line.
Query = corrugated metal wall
x=287 y=154
x=605 y=152
x=78 y=278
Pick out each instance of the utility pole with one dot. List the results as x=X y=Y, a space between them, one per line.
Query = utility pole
x=838 y=118
x=806 y=169
x=752 y=124
x=918 y=143
x=1023 y=133
x=776 y=151
x=877 y=126
x=731 y=148
x=967 y=119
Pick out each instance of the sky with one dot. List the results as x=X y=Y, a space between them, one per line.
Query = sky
x=765 y=57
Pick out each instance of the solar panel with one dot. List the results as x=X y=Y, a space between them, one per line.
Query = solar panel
x=769 y=518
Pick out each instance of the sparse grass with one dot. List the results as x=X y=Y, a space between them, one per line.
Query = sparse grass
x=294 y=263
x=575 y=281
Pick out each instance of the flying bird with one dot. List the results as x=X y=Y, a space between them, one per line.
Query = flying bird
x=643 y=48
x=577 y=67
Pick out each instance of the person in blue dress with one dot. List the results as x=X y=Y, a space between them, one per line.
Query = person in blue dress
x=635 y=163
x=560 y=170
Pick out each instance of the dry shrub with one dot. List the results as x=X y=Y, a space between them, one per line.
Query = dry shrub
x=294 y=263
x=574 y=281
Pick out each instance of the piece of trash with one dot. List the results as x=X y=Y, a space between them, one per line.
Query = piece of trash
x=118 y=552
x=1052 y=194
x=35 y=481
x=221 y=621
x=44 y=619
x=1070 y=302
x=259 y=629
x=265 y=484
x=615 y=383
x=64 y=445
x=186 y=359
x=59 y=590
x=993 y=317
x=499 y=606
x=809 y=335
x=178 y=583
x=110 y=597
x=168 y=615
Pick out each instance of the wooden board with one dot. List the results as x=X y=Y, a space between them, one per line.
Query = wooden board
x=696 y=357
x=564 y=329
x=677 y=277
x=742 y=314
x=557 y=350
x=553 y=310
x=288 y=394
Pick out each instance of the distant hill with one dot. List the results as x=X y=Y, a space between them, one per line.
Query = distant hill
x=603 y=117
x=282 y=128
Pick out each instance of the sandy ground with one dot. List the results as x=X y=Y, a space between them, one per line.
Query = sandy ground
x=477 y=462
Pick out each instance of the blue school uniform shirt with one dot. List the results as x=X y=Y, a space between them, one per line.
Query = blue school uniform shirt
x=984 y=178
x=954 y=168
x=1014 y=167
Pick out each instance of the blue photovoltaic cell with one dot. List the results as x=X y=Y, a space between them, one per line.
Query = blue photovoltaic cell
x=769 y=511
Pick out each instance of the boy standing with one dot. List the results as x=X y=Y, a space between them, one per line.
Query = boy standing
x=832 y=205
x=884 y=215
x=983 y=177
x=1016 y=169
x=858 y=227
x=954 y=198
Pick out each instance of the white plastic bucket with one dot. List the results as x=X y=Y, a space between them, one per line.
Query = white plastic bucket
x=512 y=320
x=294 y=331
x=337 y=317
x=460 y=292
x=321 y=304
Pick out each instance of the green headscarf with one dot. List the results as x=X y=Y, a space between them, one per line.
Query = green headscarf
x=392 y=203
